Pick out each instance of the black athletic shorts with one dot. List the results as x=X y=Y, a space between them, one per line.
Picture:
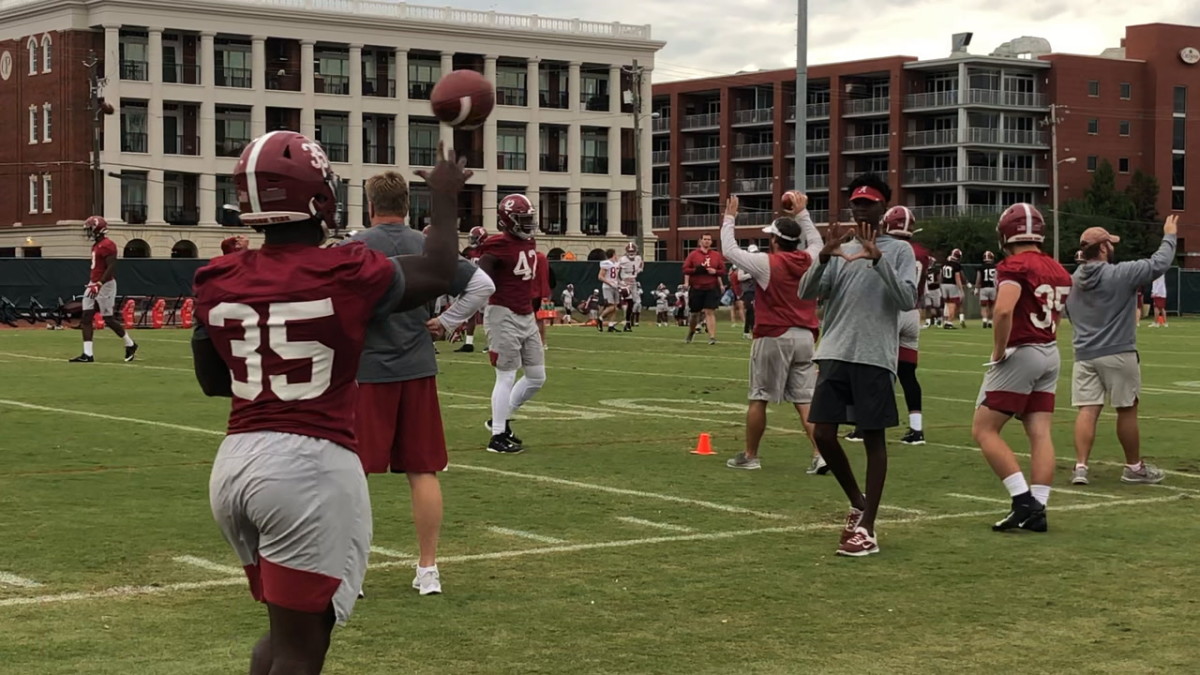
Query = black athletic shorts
x=856 y=394
x=704 y=298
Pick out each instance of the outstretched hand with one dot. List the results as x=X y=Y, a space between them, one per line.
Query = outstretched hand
x=450 y=173
x=838 y=235
x=731 y=207
x=1172 y=225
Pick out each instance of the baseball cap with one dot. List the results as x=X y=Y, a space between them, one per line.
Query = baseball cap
x=1097 y=235
x=867 y=192
x=784 y=228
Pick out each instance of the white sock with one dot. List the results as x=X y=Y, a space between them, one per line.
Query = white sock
x=425 y=570
x=501 y=393
x=526 y=387
x=914 y=421
x=1080 y=466
x=1016 y=485
x=1136 y=467
x=87 y=347
x=962 y=317
x=470 y=339
x=128 y=340
x=1041 y=493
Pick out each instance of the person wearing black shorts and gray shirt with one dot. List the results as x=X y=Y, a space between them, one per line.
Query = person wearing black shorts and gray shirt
x=865 y=285
x=702 y=272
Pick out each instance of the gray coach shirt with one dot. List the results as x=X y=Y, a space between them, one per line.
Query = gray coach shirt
x=399 y=348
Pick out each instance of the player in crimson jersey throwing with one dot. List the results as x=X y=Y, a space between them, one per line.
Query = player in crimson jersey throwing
x=280 y=329
x=101 y=291
x=510 y=258
x=1031 y=290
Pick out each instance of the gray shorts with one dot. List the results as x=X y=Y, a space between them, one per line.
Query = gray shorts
x=932 y=299
x=1117 y=377
x=950 y=293
x=104 y=300
x=513 y=339
x=1024 y=382
x=782 y=369
x=988 y=295
x=612 y=295
x=296 y=511
x=910 y=330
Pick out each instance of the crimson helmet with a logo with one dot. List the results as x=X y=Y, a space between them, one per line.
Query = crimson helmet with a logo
x=955 y=255
x=1021 y=223
x=988 y=256
x=899 y=222
x=631 y=248
x=285 y=177
x=517 y=216
x=95 y=227
x=476 y=236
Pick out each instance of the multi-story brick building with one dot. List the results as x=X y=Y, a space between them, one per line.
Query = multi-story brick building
x=192 y=84
x=966 y=134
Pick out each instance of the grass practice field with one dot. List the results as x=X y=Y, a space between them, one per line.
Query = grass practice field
x=605 y=547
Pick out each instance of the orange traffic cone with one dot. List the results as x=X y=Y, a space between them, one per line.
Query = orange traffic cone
x=704 y=446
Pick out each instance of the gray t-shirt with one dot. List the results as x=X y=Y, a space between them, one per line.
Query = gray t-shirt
x=399 y=348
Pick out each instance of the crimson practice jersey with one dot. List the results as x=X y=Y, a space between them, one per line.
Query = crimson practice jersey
x=471 y=253
x=987 y=275
x=515 y=273
x=1044 y=288
x=101 y=251
x=289 y=321
x=923 y=274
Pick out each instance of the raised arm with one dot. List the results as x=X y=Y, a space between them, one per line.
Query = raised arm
x=429 y=274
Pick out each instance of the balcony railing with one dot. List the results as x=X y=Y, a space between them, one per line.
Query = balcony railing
x=422 y=156
x=814 y=111
x=818 y=181
x=817 y=146
x=867 y=106
x=234 y=77
x=874 y=142
x=1024 y=137
x=1012 y=175
x=181 y=145
x=134 y=141
x=514 y=96
x=596 y=228
x=701 y=187
x=288 y=81
x=178 y=73
x=752 y=185
x=231 y=147
x=931 y=99
x=700 y=220
x=337 y=152
x=661 y=190
x=754 y=151
x=181 y=215
x=955 y=210
x=701 y=121
x=510 y=161
x=942 y=175
x=819 y=215
x=134 y=214
x=661 y=124
x=1005 y=98
x=379 y=154
x=755 y=116
x=755 y=218
x=379 y=87
x=701 y=154
x=135 y=70
x=420 y=91
x=932 y=137
x=338 y=85
x=593 y=164
x=660 y=157
x=594 y=103
x=660 y=222
x=559 y=99
x=553 y=163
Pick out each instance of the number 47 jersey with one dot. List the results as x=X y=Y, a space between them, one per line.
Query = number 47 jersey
x=1044 y=286
x=289 y=322
x=516 y=271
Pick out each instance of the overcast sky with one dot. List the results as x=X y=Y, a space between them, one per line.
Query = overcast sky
x=718 y=37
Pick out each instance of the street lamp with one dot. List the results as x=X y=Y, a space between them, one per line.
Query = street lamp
x=1054 y=179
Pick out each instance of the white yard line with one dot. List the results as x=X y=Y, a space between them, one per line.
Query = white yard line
x=121 y=592
x=1071 y=462
x=1084 y=493
x=114 y=418
x=209 y=565
x=80 y=366
x=389 y=552
x=655 y=524
x=901 y=509
x=9 y=579
x=976 y=498
x=509 y=532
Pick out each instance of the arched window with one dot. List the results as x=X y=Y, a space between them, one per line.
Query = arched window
x=555 y=254
x=32 y=46
x=183 y=249
x=46 y=42
x=137 y=248
x=597 y=254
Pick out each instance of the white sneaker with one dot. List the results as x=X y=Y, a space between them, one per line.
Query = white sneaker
x=429 y=582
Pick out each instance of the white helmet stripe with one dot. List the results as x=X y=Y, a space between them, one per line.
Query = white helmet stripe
x=1028 y=218
x=251 y=166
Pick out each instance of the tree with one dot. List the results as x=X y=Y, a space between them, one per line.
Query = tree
x=972 y=234
x=1143 y=192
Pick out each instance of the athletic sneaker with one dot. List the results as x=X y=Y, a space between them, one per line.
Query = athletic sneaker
x=712 y=341
x=466 y=348
x=913 y=437
x=503 y=445
x=82 y=358
x=963 y=323
x=130 y=352
x=691 y=334
x=1079 y=476
x=741 y=461
x=1149 y=475
x=853 y=437
x=429 y=583
x=627 y=329
x=746 y=336
x=612 y=329
x=1027 y=514
x=817 y=467
x=949 y=326
x=860 y=544
x=853 y=518
x=508 y=432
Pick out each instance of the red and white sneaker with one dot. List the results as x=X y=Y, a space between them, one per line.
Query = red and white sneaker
x=852 y=520
x=860 y=544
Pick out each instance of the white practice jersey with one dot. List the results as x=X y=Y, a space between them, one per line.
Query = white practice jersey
x=662 y=300
x=630 y=268
x=568 y=299
x=611 y=272
x=1159 y=288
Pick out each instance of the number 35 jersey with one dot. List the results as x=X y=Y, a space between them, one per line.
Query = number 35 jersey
x=289 y=322
x=515 y=272
x=1044 y=286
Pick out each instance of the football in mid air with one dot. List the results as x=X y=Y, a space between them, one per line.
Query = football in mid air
x=463 y=99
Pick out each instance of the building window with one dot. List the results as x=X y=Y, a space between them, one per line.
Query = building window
x=1126 y=91
x=1124 y=128
x=32 y=46
x=47 y=201
x=33 y=125
x=1177 y=200
x=1093 y=126
x=1180 y=100
x=1091 y=162
x=1123 y=165
x=1178 y=134
x=45 y=122
x=33 y=194
x=1094 y=88
x=1178 y=169
x=46 y=53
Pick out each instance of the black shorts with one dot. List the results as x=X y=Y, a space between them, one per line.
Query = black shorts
x=704 y=298
x=854 y=393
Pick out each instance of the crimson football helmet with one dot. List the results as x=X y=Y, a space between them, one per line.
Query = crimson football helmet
x=476 y=236
x=988 y=256
x=95 y=228
x=285 y=177
x=899 y=222
x=1021 y=223
x=517 y=216
x=955 y=255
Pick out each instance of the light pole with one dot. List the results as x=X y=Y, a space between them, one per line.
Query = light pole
x=1054 y=179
